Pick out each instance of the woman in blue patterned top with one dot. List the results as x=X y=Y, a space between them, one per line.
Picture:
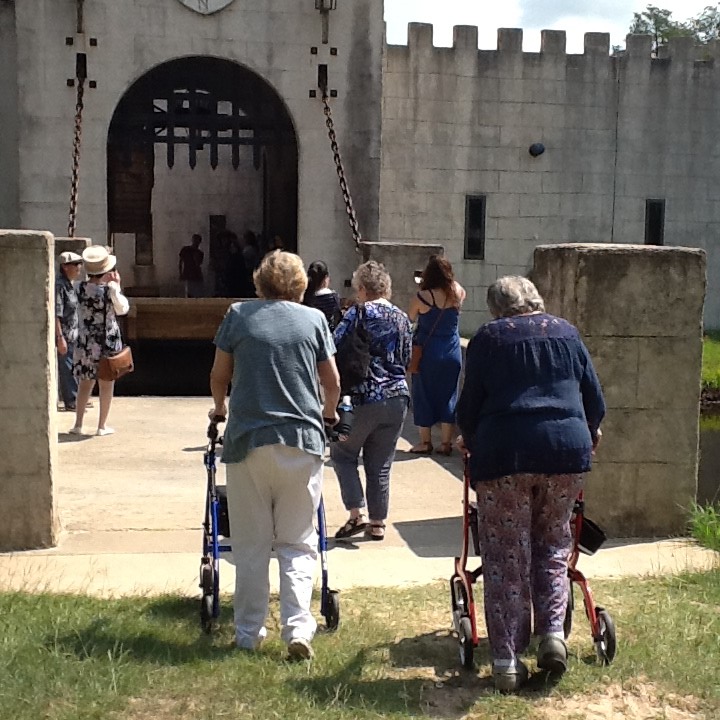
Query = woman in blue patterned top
x=380 y=402
x=529 y=413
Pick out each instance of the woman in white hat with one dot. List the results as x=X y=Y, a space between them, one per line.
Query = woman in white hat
x=100 y=301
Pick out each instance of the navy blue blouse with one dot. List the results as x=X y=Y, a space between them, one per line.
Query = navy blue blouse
x=531 y=398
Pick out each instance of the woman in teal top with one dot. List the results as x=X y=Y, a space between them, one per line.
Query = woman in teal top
x=274 y=350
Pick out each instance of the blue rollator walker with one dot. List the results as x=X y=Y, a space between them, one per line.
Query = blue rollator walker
x=216 y=525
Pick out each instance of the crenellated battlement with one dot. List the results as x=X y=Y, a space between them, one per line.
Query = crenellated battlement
x=680 y=51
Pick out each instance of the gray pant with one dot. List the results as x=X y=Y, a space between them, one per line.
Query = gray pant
x=376 y=429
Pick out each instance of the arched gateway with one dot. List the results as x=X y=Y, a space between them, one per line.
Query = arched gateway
x=199 y=145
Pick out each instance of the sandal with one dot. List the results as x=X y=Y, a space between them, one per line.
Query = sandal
x=444 y=449
x=354 y=526
x=376 y=531
x=421 y=449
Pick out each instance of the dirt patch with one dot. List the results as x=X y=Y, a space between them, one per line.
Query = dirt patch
x=641 y=701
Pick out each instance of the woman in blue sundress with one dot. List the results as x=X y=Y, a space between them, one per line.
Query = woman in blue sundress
x=436 y=307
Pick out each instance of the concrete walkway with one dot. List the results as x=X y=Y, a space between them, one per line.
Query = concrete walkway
x=131 y=506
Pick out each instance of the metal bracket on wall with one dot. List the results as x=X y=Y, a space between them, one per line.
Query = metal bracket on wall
x=323 y=83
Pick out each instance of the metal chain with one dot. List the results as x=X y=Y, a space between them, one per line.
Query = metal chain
x=77 y=138
x=352 y=218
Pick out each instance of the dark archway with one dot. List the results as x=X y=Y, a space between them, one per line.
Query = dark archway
x=204 y=122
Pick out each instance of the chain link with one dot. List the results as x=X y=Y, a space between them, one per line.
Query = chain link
x=77 y=138
x=352 y=218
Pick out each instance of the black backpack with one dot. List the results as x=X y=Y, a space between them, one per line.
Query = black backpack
x=353 y=355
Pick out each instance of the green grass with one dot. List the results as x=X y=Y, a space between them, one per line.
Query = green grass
x=705 y=525
x=711 y=360
x=81 y=658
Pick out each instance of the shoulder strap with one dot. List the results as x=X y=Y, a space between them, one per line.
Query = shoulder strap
x=423 y=300
x=435 y=324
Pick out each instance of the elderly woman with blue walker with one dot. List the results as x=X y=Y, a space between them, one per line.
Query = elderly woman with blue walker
x=274 y=350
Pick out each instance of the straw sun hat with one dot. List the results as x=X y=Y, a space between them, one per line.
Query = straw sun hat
x=98 y=260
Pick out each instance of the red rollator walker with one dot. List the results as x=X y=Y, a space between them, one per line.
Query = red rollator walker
x=587 y=539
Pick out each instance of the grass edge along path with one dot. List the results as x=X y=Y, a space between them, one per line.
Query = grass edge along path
x=139 y=658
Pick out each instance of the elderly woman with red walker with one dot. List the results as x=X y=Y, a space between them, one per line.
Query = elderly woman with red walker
x=529 y=414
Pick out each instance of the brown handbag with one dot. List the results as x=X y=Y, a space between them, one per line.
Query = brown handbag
x=112 y=367
x=415 y=358
x=417 y=350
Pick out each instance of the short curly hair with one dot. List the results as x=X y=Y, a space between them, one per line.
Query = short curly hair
x=513 y=295
x=374 y=278
x=281 y=276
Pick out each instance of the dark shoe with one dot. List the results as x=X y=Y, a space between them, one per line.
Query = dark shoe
x=354 y=526
x=552 y=655
x=376 y=531
x=421 y=449
x=300 y=649
x=507 y=680
x=444 y=449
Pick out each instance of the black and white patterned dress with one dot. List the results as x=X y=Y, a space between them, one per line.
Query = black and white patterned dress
x=99 y=332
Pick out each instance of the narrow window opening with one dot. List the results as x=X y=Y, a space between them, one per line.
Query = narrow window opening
x=475 y=227
x=654 y=222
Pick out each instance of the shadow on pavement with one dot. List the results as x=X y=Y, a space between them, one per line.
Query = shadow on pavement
x=439 y=537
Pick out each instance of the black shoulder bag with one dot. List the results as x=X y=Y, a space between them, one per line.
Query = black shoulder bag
x=353 y=355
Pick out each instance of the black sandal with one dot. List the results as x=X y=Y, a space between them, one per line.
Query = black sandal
x=354 y=526
x=376 y=531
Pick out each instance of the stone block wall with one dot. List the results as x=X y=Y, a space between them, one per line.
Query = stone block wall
x=9 y=119
x=639 y=310
x=617 y=131
x=28 y=391
x=401 y=260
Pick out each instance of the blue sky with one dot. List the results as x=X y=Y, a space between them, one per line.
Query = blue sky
x=576 y=17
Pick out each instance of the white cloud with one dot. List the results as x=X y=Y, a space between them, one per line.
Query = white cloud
x=576 y=17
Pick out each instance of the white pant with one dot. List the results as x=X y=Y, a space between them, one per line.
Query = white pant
x=273 y=496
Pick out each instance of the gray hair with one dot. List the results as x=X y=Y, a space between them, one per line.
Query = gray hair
x=374 y=278
x=513 y=295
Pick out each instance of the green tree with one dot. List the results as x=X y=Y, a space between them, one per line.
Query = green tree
x=706 y=26
x=658 y=23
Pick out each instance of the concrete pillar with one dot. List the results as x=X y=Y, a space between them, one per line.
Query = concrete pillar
x=28 y=452
x=76 y=245
x=639 y=309
x=401 y=260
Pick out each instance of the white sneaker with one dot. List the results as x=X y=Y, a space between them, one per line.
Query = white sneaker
x=75 y=430
x=300 y=649
x=104 y=431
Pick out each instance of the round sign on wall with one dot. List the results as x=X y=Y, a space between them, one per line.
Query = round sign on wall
x=206 y=7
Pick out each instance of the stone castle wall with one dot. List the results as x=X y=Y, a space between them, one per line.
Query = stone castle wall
x=131 y=37
x=617 y=130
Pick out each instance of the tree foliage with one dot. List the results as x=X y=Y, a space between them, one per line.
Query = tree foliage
x=660 y=24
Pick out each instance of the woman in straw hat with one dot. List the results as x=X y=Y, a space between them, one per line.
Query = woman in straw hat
x=100 y=301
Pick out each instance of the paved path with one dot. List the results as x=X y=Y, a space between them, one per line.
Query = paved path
x=131 y=505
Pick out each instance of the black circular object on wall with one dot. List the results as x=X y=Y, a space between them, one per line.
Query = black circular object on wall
x=536 y=149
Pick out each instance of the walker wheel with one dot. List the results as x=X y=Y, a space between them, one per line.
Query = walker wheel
x=206 y=578
x=567 y=623
x=466 y=646
x=606 y=646
x=206 y=613
x=332 y=616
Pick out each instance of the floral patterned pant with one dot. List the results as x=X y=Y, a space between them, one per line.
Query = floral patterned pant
x=525 y=542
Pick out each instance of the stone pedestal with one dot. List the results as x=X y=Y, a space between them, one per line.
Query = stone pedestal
x=401 y=260
x=639 y=309
x=28 y=452
x=76 y=245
